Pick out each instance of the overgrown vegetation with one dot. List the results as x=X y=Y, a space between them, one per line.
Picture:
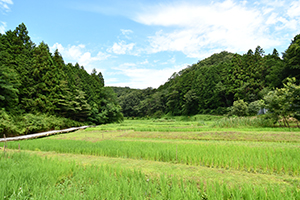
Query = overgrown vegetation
x=32 y=123
x=35 y=81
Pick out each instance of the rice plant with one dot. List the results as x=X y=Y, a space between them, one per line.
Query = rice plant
x=24 y=176
x=278 y=158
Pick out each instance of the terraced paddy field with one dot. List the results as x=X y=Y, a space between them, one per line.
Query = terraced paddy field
x=179 y=158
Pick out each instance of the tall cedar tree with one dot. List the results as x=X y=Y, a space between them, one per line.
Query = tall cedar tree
x=32 y=80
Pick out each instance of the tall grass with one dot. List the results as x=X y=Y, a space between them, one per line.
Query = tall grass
x=31 y=177
x=235 y=122
x=278 y=158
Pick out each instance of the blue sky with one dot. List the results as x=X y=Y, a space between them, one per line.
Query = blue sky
x=142 y=43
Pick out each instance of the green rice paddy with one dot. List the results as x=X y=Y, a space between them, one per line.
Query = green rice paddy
x=191 y=158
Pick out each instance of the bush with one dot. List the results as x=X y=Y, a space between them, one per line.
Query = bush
x=7 y=125
x=32 y=123
x=239 y=108
x=255 y=106
x=158 y=114
x=221 y=111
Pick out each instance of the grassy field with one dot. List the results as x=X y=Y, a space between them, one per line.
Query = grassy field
x=199 y=157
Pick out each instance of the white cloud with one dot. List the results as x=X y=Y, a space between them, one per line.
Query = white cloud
x=272 y=3
x=144 y=62
x=272 y=19
x=4 y=5
x=126 y=32
x=294 y=10
x=79 y=54
x=121 y=48
x=170 y=61
x=2 y=27
x=143 y=77
x=7 y=1
x=227 y=25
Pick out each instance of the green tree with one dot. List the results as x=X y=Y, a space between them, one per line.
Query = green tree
x=8 y=88
x=190 y=106
x=173 y=102
x=17 y=47
x=292 y=54
x=283 y=103
x=41 y=93
x=276 y=72
x=293 y=97
x=9 y=79
x=291 y=58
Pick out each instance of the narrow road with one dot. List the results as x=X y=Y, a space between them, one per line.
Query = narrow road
x=43 y=134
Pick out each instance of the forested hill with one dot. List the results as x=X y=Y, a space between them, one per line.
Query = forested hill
x=213 y=84
x=36 y=85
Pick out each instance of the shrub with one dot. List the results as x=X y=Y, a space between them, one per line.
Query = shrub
x=255 y=106
x=239 y=108
x=158 y=114
x=32 y=123
x=6 y=124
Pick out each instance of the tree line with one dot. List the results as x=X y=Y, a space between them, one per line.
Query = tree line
x=35 y=82
x=212 y=85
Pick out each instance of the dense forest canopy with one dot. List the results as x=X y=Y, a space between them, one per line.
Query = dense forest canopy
x=34 y=81
x=212 y=85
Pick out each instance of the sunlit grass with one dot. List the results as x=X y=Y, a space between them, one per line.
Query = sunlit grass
x=211 y=161
x=30 y=177
x=247 y=156
x=188 y=126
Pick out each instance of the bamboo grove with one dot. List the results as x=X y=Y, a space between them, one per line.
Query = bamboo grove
x=36 y=85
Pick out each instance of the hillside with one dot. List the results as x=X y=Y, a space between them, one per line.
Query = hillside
x=213 y=84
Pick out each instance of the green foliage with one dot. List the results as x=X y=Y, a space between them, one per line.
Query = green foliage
x=33 y=81
x=255 y=106
x=9 y=79
x=32 y=123
x=8 y=88
x=239 y=108
x=158 y=114
x=213 y=84
x=7 y=125
x=292 y=57
x=283 y=103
